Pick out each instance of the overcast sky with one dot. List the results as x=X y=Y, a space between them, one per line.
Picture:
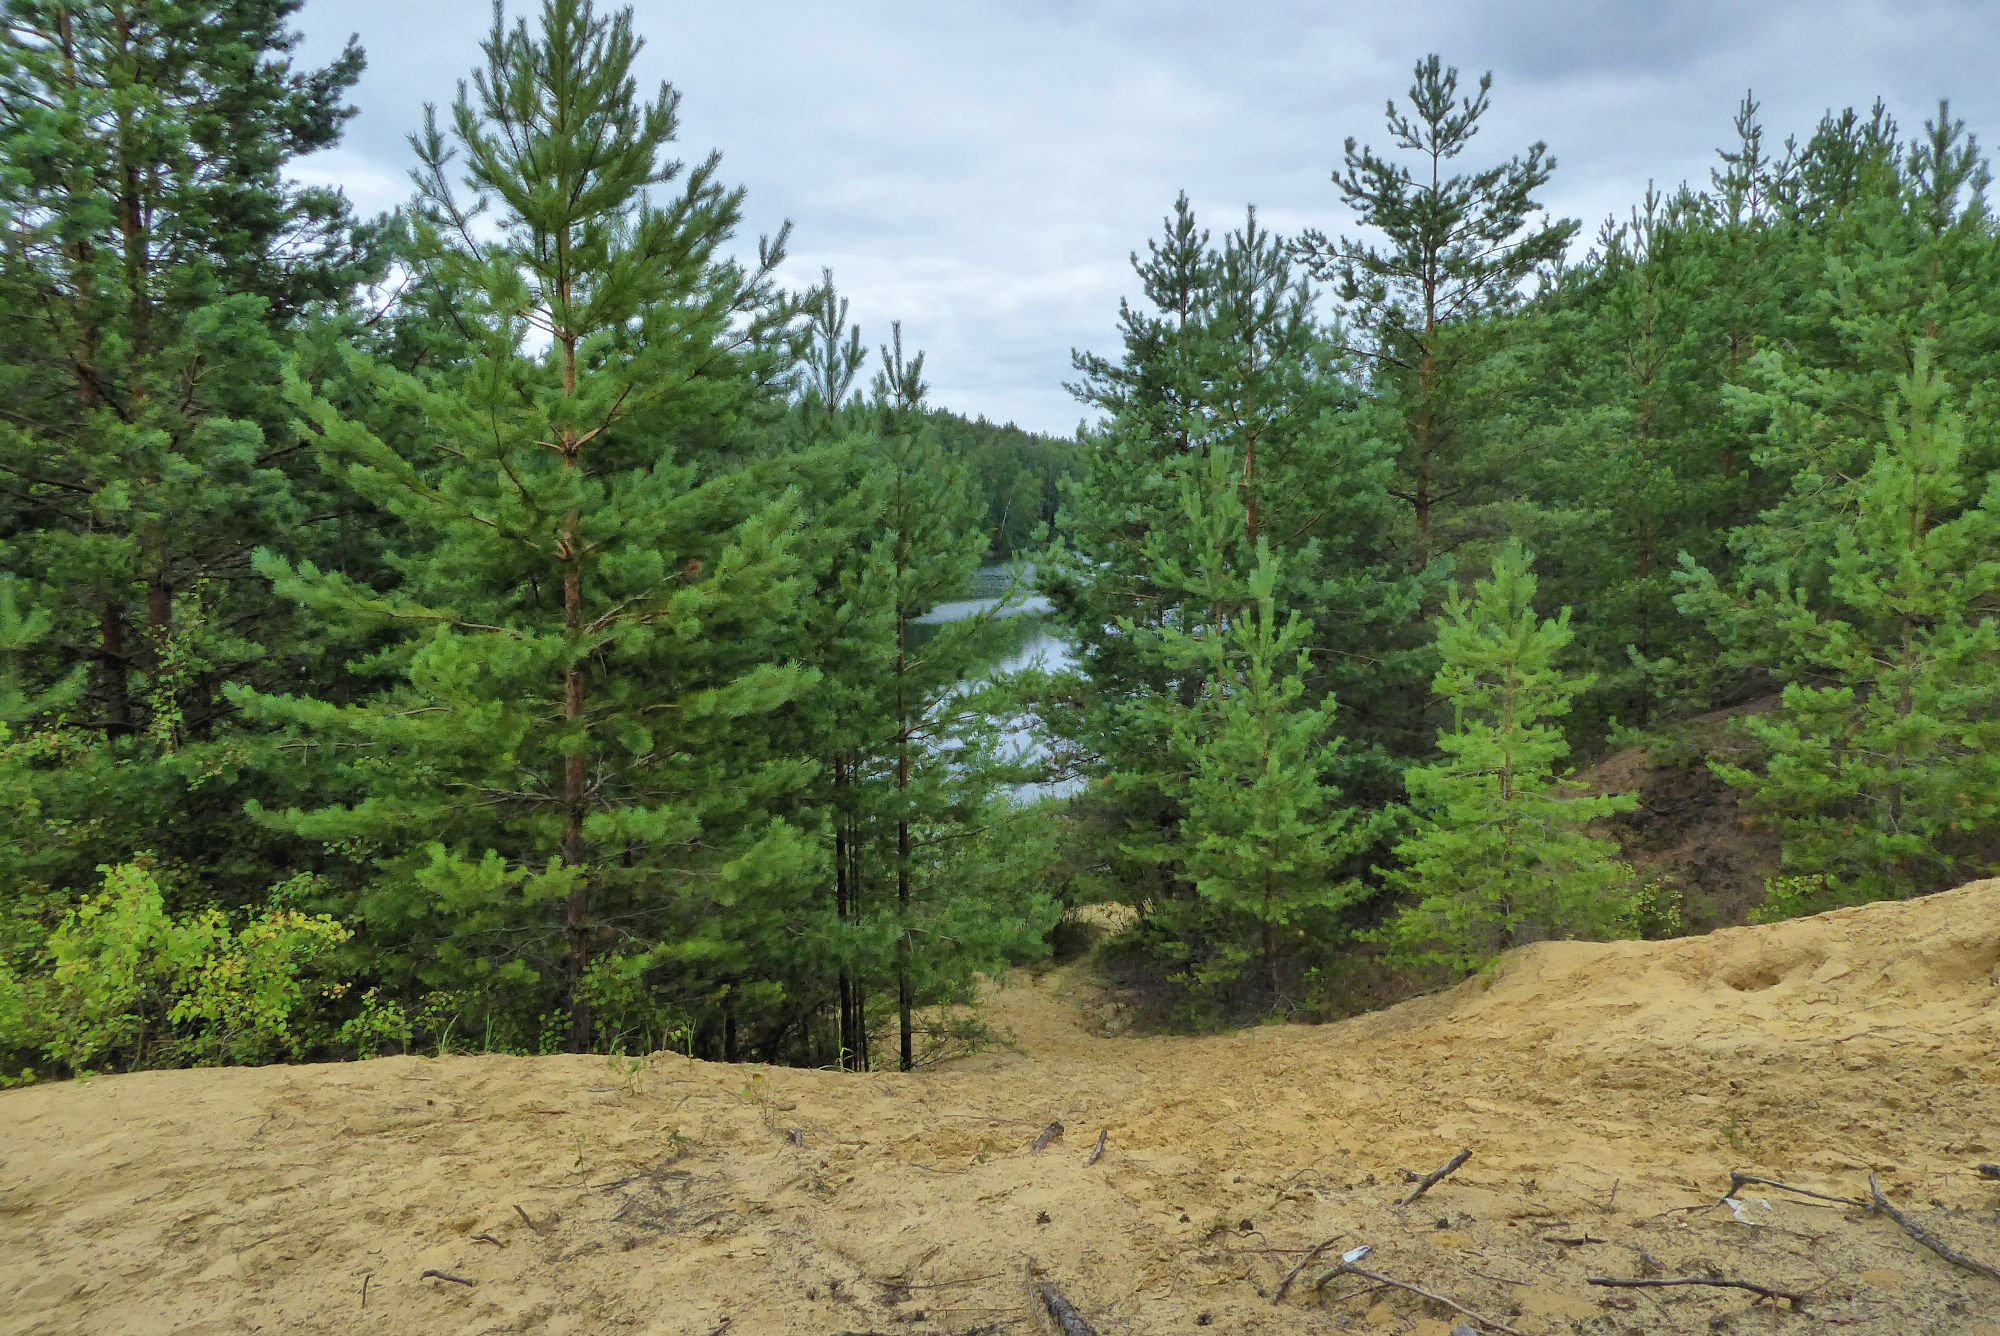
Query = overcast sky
x=982 y=169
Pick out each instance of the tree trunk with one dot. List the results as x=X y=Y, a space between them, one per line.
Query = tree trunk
x=903 y=988
x=112 y=665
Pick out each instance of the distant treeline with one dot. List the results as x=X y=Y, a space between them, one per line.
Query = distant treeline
x=1018 y=473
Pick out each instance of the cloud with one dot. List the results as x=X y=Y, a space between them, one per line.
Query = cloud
x=981 y=170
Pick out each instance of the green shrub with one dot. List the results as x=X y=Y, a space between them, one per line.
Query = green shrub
x=121 y=983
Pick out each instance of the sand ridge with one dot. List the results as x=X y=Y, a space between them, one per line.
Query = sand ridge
x=1606 y=1092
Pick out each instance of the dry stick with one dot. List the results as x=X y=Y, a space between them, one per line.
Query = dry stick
x=527 y=1219
x=1434 y=1179
x=1098 y=1154
x=1738 y=1180
x=1930 y=1241
x=445 y=1275
x=1285 y=1286
x=1068 y=1321
x=364 y=1287
x=1348 y=1269
x=1763 y=1291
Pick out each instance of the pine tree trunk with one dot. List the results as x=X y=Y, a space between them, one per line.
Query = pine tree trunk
x=903 y=988
x=843 y=895
x=576 y=912
x=569 y=551
x=112 y=665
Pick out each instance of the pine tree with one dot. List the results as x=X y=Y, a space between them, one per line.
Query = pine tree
x=566 y=798
x=160 y=270
x=1881 y=766
x=1222 y=355
x=1459 y=248
x=1267 y=837
x=932 y=544
x=1499 y=855
x=1902 y=239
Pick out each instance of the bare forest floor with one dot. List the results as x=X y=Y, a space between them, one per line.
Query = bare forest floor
x=1606 y=1092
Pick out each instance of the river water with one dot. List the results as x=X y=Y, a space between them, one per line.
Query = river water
x=1037 y=646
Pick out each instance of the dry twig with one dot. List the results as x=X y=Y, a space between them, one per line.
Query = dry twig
x=1668 y=1282
x=1437 y=1177
x=1881 y=1206
x=1061 y=1311
x=1349 y=1269
x=1738 y=1180
x=1098 y=1154
x=446 y=1275
x=1285 y=1286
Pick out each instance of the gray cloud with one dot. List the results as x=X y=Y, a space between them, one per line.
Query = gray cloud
x=981 y=170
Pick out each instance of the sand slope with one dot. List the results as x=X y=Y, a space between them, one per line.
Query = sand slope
x=1605 y=1091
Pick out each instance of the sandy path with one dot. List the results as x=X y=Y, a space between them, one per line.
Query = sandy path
x=1601 y=1088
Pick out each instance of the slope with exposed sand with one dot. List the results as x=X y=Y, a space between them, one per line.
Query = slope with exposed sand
x=1605 y=1091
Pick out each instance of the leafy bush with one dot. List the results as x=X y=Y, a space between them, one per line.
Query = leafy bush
x=1800 y=897
x=121 y=983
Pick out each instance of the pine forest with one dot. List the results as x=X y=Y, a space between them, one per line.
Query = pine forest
x=540 y=619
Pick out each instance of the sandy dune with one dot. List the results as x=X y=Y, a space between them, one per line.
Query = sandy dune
x=1606 y=1092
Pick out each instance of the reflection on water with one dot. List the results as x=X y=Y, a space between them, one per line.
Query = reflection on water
x=1037 y=646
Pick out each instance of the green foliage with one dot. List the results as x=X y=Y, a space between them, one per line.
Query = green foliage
x=1458 y=248
x=1265 y=833
x=120 y=982
x=1499 y=854
x=1657 y=910
x=562 y=596
x=1881 y=766
x=1228 y=384
x=1793 y=897
x=593 y=600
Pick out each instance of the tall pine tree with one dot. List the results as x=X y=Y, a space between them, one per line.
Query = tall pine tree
x=1499 y=855
x=566 y=800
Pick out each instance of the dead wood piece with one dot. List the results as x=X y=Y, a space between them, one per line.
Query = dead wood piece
x=529 y=1220
x=488 y=1238
x=726 y=1324
x=1068 y=1321
x=1668 y=1282
x=446 y=1275
x=1433 y=1179
x=1349 y=1269
x=1881 y=1206
x=364 y=1287
x=1098 y=1154
x=1053 y=1132
x=1738 y=1180
x=1285 y=1286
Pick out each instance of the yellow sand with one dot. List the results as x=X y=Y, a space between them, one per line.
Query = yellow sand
x=1606 y=1092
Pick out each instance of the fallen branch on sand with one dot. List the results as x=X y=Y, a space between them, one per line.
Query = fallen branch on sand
x=1098 y=1154
x=1061 y=1311
x=1738 y=1180
x=1285 y=1286
x=446 y=1275
x=1881 y=1206
x=1349 y=1269
x=1668 y=1282
x=1437 y=1177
